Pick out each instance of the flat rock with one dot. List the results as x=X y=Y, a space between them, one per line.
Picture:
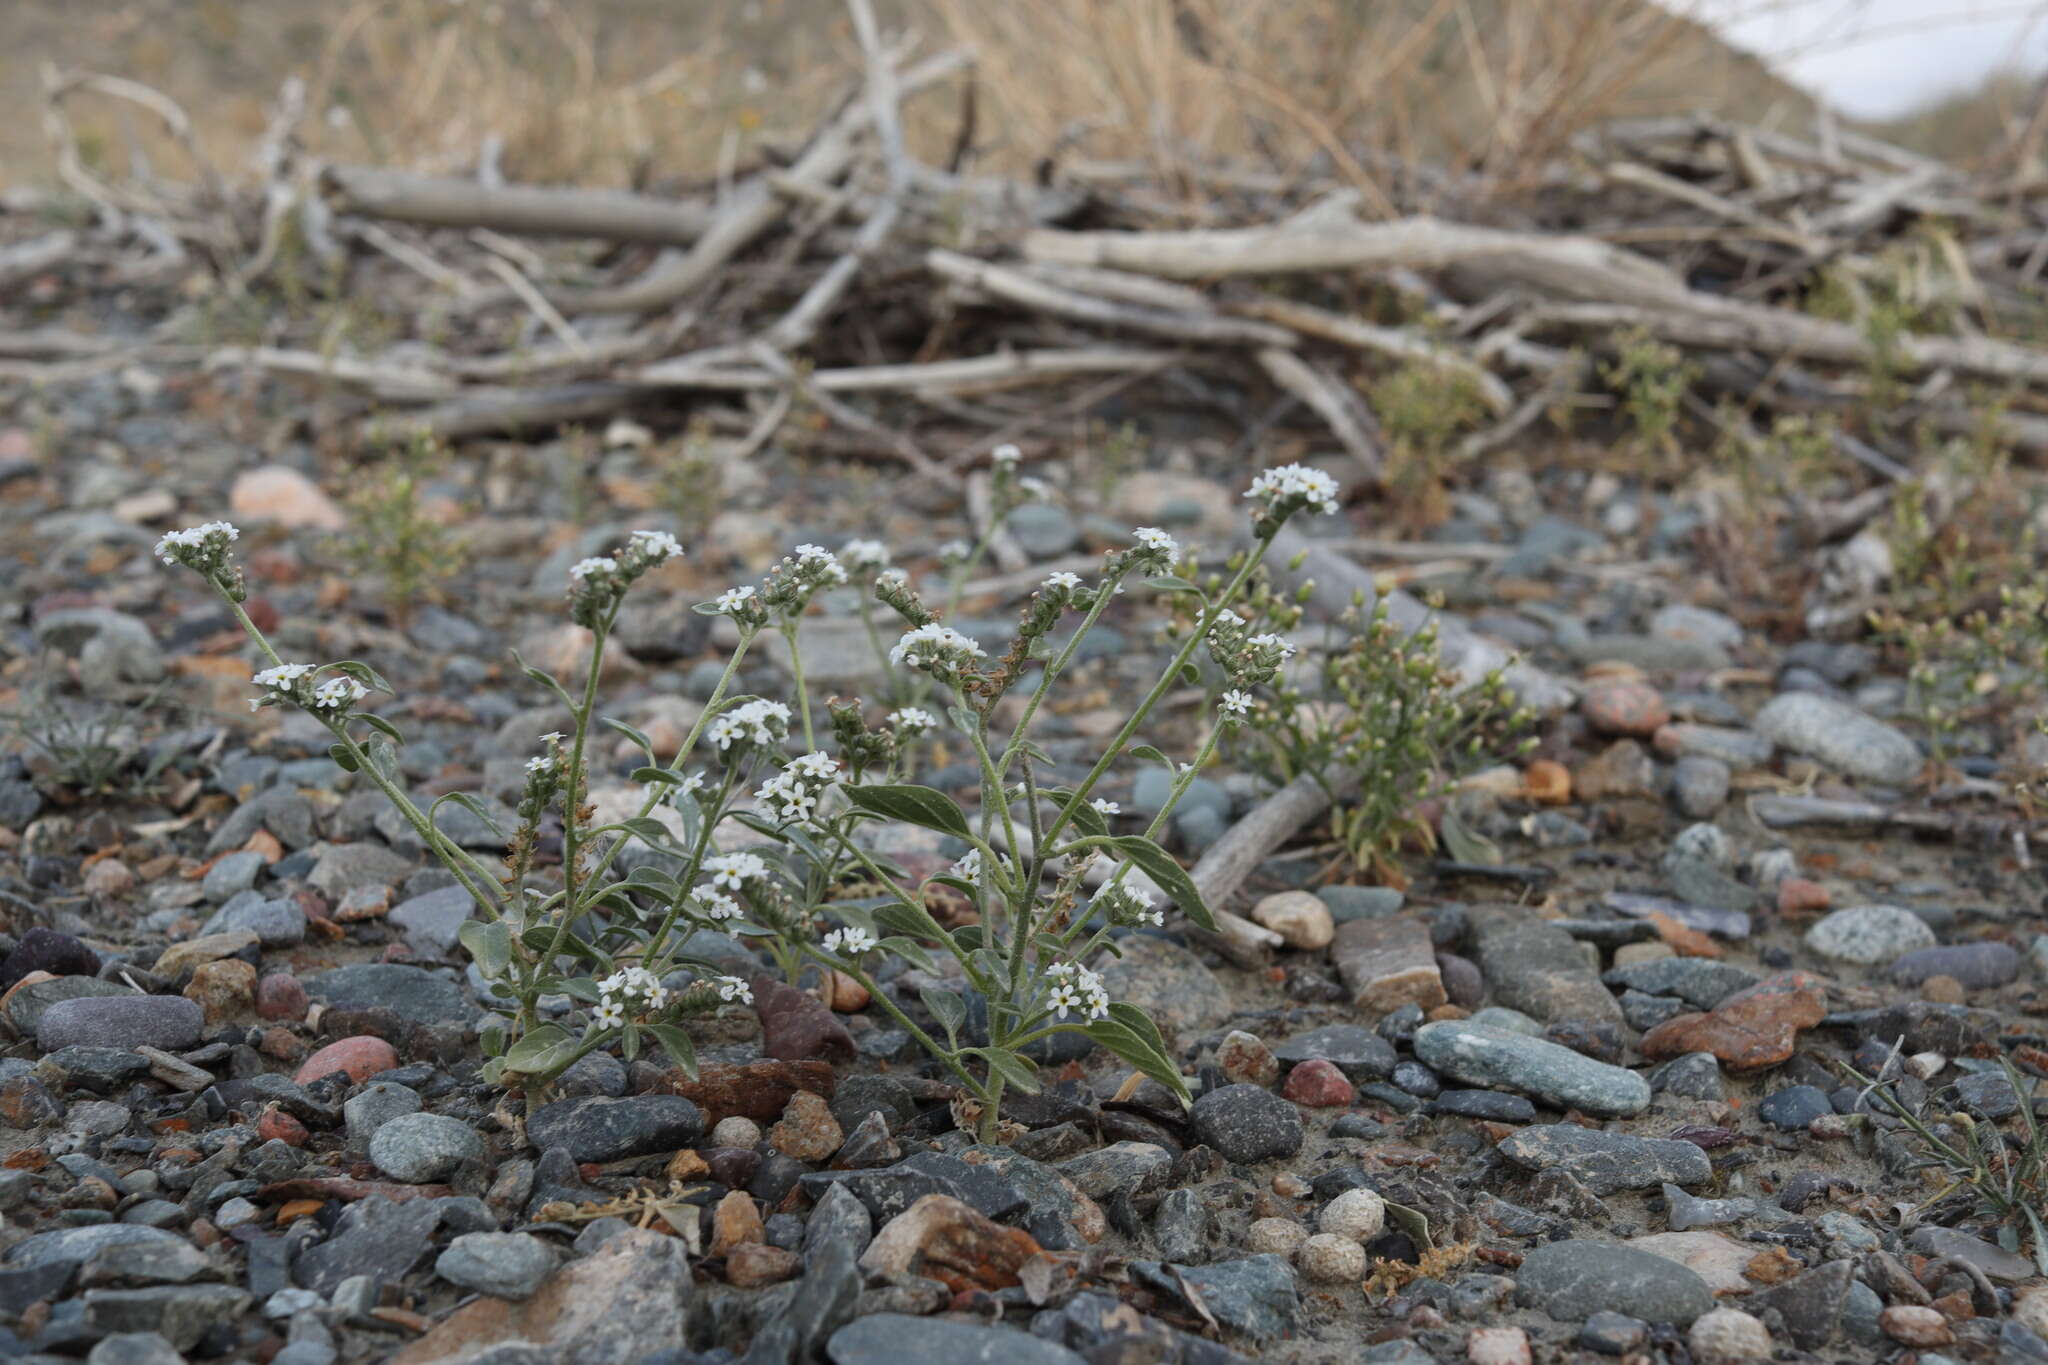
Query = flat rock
x=1387 y=963
x=625 y=1303
x=1255 y=1296
x=1716 y=1259
x=1811 y=1305
x=1247 y=1123
x=412 y=993
x=431 y=921
x=1572 y=1280
x=1169 y=983
x=1358 y=1052
x=899 y=1339
x=1539 y=969
x=609 y=1128
x=1869 y=934
x=1607 y=1162
x=127 y=1020
x=1701 y=982
x=81 y=1244
x=1979 y=966
x=1497 y=1059
x=1839 y=735
x=1752 y=1029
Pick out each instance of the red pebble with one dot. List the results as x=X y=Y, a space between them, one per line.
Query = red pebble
x=1319 y=1085
x=1797 y=894
x=282 y=1127
x=280 y=996
x=361 y=1057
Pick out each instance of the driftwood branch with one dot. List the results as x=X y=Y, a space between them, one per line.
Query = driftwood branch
x=525 y=210
x=1233 y=858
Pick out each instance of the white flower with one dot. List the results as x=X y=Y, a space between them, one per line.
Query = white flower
x=732 y=871
x=281 y=678
x=1038 y=490
x=539 y=765
x=1295 y=485
x=596 y=564
x=955 y=550
x=864 y=556
x=1235 y=704
x=913 y=720
x=1063 y=581
x=1104 y=806
x=552 y=737
x=1159 y=543
x=733 y=599
x=713 y=904
x=849 y=942
x=1006 y=454
x=608 y=1014
x=934 y=647
x=654 y=547
x=1271 y=641
x=338 y=693
x=818 y=764
x=731 y=988
x=759 y=721
x=971 y=867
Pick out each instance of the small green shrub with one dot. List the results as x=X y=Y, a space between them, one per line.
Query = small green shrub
x=391 y=537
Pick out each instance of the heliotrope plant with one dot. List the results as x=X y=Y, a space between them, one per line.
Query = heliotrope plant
x=735 y=832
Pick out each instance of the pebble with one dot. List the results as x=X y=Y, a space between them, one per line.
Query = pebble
x=1545 y=1070
x=1728 y=1336
x=1497 y=1346
x=280 y=997
x=1841 y=736
x=1612 y=1333
x=1387 y=963
x=1978 y=966
x=1869 y=934
x=1799 y=896
x=1572 y=1280
x=1752 y=1029
x=1794 y=1107
x=1299 y=917
x=43 y=949
x=418 y=1148
x=1329 y=1259
x=230 y=875
x=1347 y=903
x=374 y=1106
x=807 y=1130
x=1169 y=983
x=359 y=1058
x=1700 y=785
x=414 y=994
x=735 y=1131
x=510 y=1265
x=1540 y=970
x=280 y=494
x=1607 y=1162
x=1622 y=707
x=1246 y=1124
x=276 y=923
x=605 y=1128
x=169 y=1022
x=899 y=1339
x=1130 y=1167
x=1359 y=1214
x=1360 y=1053
x=1914 y=1325
x=1274 y=1237
x=1319 y=1084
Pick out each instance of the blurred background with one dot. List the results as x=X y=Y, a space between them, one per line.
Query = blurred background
x=622 y=92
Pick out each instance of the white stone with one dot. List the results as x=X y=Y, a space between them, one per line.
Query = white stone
x=1327 y=1258
x=1357 y=1214
x=1728 y=1336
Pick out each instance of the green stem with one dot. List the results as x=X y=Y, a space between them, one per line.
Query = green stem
x=1166 y=680
x=925 y=1040
x=796 y=669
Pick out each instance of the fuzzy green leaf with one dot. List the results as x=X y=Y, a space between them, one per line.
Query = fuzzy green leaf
x=490 y=945
x=1014 y=1070
x=925 y=807
x=1150 y=1061
x=379 y=724
x=640 y=740
x=948 y=1008
x=343 y=759
x=677 y=1045
x=362 y=673
x=542 y=1051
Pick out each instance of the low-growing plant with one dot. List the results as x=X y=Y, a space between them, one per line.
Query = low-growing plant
x=1375 y=719
x=1424 y=407
x=1653 y=378
x=692 y=482
x=2002 y=1177
x=392 y=537
x=733 y=833
x=84 y=747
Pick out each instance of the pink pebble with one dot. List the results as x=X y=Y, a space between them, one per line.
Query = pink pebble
x=361 y=1057
x=280 y=996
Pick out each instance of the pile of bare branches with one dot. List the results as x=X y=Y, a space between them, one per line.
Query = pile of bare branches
x=902 y=300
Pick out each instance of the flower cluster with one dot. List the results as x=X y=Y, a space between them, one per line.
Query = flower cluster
x=543 y=779
x=692 y=783
x=713 y=904
x=283 y=683
x=1234 y=706
x=758 y=722
x=204 y=547
x=864 y=556
x=1282 y=492
x=742 y=604
x=1155 y=550
x=1247 y=660
x=338 y=693
x=793 y=793
x=849 y=942
x=939 y=650
x=1077 y=988
x=630 y=992
x=911 y=721
x=597 y=583
x=974 y=868
x=732 y=990
x=792 y=583
x=1126 y=907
